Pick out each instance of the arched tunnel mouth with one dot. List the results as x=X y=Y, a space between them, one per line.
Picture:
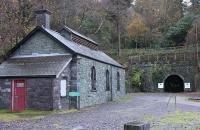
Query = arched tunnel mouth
x=174 y=84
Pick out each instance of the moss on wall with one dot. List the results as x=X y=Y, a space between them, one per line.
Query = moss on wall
x=136 y=78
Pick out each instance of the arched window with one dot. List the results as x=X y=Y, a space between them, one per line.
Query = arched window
x=107 y=80
x=118 y=81
x=93 y=78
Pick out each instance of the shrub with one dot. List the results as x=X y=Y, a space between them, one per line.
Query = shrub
x=136 y=77
x=178 y=32
x=158 y=72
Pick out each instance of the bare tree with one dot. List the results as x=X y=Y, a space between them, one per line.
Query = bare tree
x=117 y=11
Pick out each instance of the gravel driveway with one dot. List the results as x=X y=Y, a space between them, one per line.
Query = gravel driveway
x=109 y=116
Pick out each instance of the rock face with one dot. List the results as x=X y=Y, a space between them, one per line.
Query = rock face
x=159 y=67
x=185 y=71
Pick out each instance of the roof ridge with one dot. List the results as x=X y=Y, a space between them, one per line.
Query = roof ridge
x=83 y=50
x=80 y=34
x=71 y=46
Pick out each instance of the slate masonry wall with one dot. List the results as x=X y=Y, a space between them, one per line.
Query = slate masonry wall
x=39 y=93
x=40 y=43
x=88 y=97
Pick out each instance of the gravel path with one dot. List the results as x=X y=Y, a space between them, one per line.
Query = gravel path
x=109 y=116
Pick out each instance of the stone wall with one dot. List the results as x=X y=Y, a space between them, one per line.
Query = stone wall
x=40 y=43
x=70 y=74
x=89 y=97
x=73 y=82
x=5 y=93
x=39 y=93
x=186 y=71
x=58 y=101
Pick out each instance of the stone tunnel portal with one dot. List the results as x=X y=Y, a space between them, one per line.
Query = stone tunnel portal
x=174 y=84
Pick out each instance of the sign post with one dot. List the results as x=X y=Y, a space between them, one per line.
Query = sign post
x=74 y=94
x=160 y=85
x=77 y=95
x=187 y=85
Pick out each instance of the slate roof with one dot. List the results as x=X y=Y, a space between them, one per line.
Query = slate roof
x=80 y=35
x=34 y=66
x=71 y=46
x=83 y=50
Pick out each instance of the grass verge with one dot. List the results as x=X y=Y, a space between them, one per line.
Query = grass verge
x=178 y=120
x=6 y=115
x=125 y=99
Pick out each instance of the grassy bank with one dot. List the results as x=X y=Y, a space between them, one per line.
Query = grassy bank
x=178 y=120
x=6 y=115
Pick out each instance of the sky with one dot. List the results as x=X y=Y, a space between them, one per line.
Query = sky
x=134 y=1
x=187 y=2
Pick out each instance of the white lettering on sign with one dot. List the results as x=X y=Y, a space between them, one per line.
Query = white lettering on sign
x=63 y=88
x=187 y=85
x=20 y=85
x=160 y=85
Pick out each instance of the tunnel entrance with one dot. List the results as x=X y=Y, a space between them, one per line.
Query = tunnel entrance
x=174 y=84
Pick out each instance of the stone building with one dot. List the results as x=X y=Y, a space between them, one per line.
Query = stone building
x=41 y=70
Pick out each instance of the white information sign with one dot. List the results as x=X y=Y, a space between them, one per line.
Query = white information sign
x=63 y=88
x=187 y=85
x=160 y=85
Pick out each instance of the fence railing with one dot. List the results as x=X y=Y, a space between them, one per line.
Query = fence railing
x=168 y=55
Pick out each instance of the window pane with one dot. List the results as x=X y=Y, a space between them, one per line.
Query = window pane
x=93 y=78
x=118 y=81
x=107 y=80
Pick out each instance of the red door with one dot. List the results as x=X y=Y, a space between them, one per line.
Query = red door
x=18 y=95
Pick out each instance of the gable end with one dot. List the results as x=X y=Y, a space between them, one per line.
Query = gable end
x=48 y=45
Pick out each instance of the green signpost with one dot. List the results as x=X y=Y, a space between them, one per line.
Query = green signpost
x=74 y=94
x=77 y=96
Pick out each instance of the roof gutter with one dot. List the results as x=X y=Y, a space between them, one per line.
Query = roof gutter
x=29 y=76
x=122 y=67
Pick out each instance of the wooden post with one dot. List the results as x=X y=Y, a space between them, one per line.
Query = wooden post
x=184 y=56
x=175 y=101
x=136 y=126
x=175 y=56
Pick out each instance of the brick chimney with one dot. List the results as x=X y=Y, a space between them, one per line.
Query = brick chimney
x=43 y=18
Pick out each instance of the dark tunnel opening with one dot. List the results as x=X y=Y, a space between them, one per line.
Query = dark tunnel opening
x=174 y=84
